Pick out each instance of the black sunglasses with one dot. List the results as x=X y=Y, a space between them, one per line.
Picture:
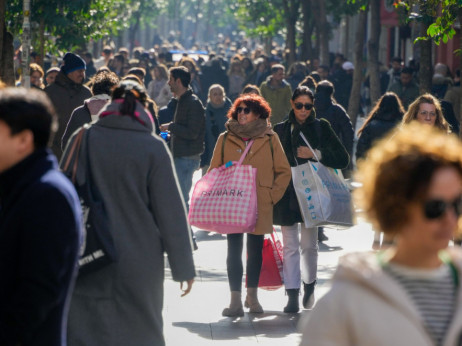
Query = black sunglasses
x=243 y=109
x=435 y=208
x=299 y=106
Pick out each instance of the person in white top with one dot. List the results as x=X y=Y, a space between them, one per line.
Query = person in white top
x=409 y=294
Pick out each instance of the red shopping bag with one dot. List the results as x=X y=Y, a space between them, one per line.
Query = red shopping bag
x=271 y=276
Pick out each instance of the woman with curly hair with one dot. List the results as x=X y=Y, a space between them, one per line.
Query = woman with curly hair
x=411 y=188
x=248 y=120
x=426 y=109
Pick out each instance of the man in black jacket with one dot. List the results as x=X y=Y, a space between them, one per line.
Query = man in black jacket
x=187 y=130
x=40 y=225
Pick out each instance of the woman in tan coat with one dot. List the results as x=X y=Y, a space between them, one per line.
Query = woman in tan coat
x=248 y=119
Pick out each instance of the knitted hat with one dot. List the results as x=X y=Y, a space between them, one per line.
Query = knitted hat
x=72 y=62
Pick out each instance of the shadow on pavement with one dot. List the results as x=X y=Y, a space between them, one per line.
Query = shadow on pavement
x=206 y=236
x=326 y=248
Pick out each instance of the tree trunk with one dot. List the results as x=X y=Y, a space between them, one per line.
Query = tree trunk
x=319 y=13
x=6 y=62
x=42 y=41
x=354 y=102
x=307 y=45
x=460 y=57
x=373 y=50
x=291 y=14
x=425 y=71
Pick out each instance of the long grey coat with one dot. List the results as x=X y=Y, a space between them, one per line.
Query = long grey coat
x=133 y=170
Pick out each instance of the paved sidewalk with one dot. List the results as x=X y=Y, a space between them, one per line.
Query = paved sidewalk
x=196 y=319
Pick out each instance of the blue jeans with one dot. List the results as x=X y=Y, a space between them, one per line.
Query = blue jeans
x=185 y=167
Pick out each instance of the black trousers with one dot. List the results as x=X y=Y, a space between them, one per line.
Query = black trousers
x=234 y=260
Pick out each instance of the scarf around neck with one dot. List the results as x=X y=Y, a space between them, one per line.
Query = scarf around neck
x=254 y=129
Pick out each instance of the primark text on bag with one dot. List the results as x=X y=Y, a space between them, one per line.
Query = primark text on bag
x=225 y=199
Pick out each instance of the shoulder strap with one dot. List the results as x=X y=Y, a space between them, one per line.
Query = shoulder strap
x=223 y=147
x=271 y=146
x=74 y=154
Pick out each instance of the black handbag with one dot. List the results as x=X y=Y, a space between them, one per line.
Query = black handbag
x=98 y=249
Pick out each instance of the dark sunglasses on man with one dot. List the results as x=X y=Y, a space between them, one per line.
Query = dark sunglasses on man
x=435 y=208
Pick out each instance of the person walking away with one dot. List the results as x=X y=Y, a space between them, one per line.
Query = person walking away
x=383 y=118
x=67 y=93
x=40 y=224
x=121 y=304
x=414 y=285
x=277 y=92
x=102 y=84
x=330 y=151
x=248 y=120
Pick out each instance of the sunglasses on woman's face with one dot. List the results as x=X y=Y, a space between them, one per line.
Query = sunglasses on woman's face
x=307 y=106
x=435 y=208
x=243 y=109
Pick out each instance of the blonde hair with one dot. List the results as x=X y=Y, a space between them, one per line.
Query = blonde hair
x=398 y=171
x=413 y=110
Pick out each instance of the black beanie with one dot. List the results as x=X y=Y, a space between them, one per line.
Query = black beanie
x=72 y=62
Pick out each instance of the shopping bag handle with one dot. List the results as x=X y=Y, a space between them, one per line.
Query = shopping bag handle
x=245 y=152
x=309 y=146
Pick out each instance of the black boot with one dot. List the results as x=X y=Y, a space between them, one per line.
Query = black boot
x=308 y=296
x=292 y=303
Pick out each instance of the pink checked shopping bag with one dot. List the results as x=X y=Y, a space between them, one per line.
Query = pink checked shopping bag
x=225 y=199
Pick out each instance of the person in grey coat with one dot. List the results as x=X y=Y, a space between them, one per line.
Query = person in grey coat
x=132 y=169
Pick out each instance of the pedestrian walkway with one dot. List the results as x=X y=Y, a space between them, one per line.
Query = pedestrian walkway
x=196 y=318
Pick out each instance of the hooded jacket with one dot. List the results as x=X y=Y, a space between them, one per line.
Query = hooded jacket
x=121 y=304
x=366 y=306
x=278 y=98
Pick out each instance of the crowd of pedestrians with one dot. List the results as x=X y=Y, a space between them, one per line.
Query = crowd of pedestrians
x=154 y=122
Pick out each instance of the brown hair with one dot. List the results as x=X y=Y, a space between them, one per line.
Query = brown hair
x=398 y=171
x=413 y=110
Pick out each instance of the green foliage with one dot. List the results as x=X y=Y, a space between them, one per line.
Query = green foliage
x=260 y=18
x=70 y=25
x=438 y=15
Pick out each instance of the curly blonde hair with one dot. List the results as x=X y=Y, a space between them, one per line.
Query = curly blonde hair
x=413 y=110
x=398 y=171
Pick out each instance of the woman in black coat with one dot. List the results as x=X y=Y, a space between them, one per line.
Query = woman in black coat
x=386 y=114
x=331 y=152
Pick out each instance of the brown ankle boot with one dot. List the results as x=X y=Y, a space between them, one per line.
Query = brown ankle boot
x=235 y=307
x=251 y=301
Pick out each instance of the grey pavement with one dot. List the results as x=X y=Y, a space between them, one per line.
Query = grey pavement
x=196 y=318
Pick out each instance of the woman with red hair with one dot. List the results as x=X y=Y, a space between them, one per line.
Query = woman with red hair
x=248 y=120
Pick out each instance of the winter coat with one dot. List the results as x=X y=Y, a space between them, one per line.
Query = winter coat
x=83 y=115
x=132 y=169
x=273 y=171
x=65 y=96
x=278 y=99
x=188 y=127
x=322 y=138
x=407 y=94
x=159 y=91
x=340 y=122
x=40 y=237
x=215 y=119
x=376 y=129
x=453 y=97
x=366 y=306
